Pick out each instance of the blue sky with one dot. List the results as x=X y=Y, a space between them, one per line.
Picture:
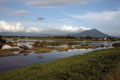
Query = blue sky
x=60 y=16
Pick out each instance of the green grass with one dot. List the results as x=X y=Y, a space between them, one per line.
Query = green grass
x=61 y=49
x=69 y=39
x=96 y=65
x=42 y=50
x=85 y=47
x=35 y=38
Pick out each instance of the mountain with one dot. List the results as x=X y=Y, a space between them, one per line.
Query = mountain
x=117 y=37
x=24 y=34
x=91 y=33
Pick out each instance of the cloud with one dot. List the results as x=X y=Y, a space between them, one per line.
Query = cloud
x=54 y=3
x=16 y=27
x=40 y=18
x=100 y=17
x=7 y=27
x=49 y=3
x=21 y=12
x=73 y=29
x=107 y=21
x=14 y=12
x=34 y=29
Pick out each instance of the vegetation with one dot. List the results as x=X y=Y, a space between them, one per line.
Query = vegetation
x=48 y=49
x=2 y=42
x=70 y=38
x=97 y=65
x=73 y=43
x=8 y=52
x=116 y=45
x=40 y=44
x=24 y=47
x=55 y=43
x=61 y=49
x=42 y=50
x=85 y=47
x=10 y=43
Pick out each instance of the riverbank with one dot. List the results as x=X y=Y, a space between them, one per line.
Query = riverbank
x=96 y=65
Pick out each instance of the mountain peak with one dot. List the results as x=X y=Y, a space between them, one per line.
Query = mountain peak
x=93 y=29
x=91 y=33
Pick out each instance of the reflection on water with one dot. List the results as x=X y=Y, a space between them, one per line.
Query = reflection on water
x=39 y=57
x=12 y=62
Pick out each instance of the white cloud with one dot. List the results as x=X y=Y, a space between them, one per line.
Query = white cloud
x=99 y=17
x=7 y=27
x=34 y=29
x=16 y=27
x=107 y=21
x=73 y=29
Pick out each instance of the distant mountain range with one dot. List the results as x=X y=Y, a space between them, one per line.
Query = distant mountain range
x=24 y=34
x=91 y=33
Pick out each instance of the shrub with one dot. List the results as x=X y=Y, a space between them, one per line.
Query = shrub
x=40 y=44
x=2 y=42
x=24 y=47
x=56 y=43
x=10 y=43
x=102 y=45
x=116 y=45
x=64 y=42
x=73 y=43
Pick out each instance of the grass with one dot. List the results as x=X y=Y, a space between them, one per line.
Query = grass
x=69 y=39
x=42 y=50
x=85 y=47
x=96 y=65
x=114 y=74
x=61 y=49
x=35 y=38
x=48 y=49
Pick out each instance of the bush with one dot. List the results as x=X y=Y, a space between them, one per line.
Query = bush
x=9 y=43
x=102 y=45
x=56 y=43
x=40 y=44
x=24 y=47
x=116 y=45
x=2 y=42
x=73 y=43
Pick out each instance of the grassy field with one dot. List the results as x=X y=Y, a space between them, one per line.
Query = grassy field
x=96 y=65
x=69 y=39
x=35 y=38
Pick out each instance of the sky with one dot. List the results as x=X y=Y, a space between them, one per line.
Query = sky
x=60 y=16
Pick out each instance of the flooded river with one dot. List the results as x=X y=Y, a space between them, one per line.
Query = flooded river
x=12 y=62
